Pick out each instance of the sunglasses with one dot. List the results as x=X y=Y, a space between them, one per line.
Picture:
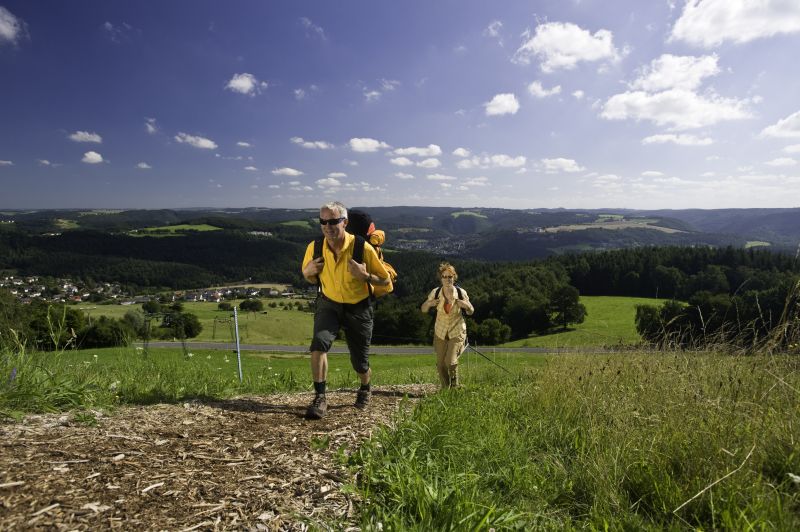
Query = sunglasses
x=332 y=221
x=447 y=276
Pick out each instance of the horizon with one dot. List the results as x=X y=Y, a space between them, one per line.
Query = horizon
x=665 y=105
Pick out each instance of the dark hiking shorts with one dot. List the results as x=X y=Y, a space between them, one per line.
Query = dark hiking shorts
x=356 y=320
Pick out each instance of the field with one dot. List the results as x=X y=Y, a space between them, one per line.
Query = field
x=614 y=441
x=173 y=230
x=613 y=224
x=609 y=322
x=273 y=326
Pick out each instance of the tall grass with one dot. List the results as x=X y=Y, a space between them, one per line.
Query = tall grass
x=623 y=441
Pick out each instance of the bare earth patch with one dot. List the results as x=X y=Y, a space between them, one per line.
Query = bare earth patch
x=249 y=463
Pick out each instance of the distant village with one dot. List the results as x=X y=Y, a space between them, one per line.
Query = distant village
x=31 y=288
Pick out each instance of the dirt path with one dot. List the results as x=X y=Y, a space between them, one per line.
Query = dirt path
x=250 y=463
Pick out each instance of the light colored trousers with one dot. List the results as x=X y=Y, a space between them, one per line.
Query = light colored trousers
x=447 y=352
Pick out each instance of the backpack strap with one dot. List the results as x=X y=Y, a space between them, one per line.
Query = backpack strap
x=358 y=255
x=318 y=243
x=358 y=249
x=458 y=291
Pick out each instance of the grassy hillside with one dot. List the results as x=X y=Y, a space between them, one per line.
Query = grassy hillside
x=281 y=325
x=609 y=321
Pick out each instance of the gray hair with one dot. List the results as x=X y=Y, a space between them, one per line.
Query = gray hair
x=337 y=207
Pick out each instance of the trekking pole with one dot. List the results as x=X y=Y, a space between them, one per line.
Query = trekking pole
x=468 y=346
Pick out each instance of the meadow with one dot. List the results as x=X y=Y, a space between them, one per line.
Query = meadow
x=609 y=322
x=646 y=441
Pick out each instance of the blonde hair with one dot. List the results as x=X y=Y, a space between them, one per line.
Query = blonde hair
x=447 y=267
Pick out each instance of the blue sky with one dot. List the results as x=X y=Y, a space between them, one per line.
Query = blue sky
x=515 y=104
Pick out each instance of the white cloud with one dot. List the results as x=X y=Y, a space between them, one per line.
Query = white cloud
x=794 y=148
x=536 y=89
x=7 y=163
x=372 y=96
x=502 y=160
x=563 y=45
x=328 y=182
x=11 y=28
x=608 y=181
x=195 y=141
x=243 y=144
x=150 y=126
x=42 y=162
x=293 y=183
x=431 y=151
x=251 y=168
x=85 y=136
x=312 y=29
x=477 y=182
x=389 y=84
x=119 y=33
x=337 y=175
x=273 y=186
x=441 y=177
x=709 y=23
x=559 y=164
x=499 y=160
x=429 y=163
x=787 y=128
x=246 y=84
x=92 y=157
x=402 y=175
x=676 y=72
x=312 y=144
x=502 y=104
x=708 y=174
x=674 y=108
x=578 y=94
x=299 y=94
x=681 y=140
x=461 y=152
x=401 y=161
x=367 y=145
x=287 y=171
x=143 y=166
x=493 y=29
x=652 y=173
x=782 y=161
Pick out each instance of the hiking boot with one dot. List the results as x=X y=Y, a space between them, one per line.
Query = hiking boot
x=362 y=399
x=318 y=407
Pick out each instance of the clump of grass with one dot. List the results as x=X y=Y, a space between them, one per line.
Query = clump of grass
x=629 y=441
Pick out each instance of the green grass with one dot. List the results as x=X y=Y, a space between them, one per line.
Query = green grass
x=468 y=213
x=104 y=378
x=278 y=326
x=305 y=224
x=609 y=322
x=621 y=442
x=174 y=230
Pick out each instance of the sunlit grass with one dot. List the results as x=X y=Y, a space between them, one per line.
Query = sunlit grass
x=621 y=442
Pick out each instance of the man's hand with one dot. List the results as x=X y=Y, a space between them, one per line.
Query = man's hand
x=313 y=268
x=358 y=270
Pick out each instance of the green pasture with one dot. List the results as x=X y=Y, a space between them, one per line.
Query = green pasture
x=468 y=213
x=305 y=224
x=609 y=322
x=173 y=230
x=280 y=325
x=662 y=441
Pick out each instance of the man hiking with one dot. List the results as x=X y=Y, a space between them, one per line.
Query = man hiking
x=344 y=301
